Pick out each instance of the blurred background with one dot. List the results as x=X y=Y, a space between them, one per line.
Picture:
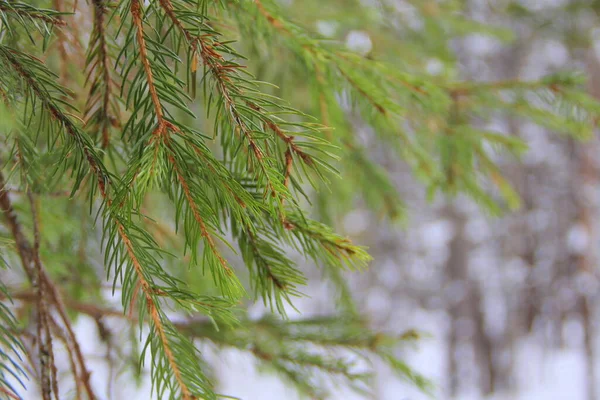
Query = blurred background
x=508 y=306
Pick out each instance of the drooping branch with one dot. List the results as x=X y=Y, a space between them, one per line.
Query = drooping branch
x=104 y=182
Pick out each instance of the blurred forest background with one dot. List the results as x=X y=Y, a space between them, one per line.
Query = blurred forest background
x=505 y=305
x=510 y=303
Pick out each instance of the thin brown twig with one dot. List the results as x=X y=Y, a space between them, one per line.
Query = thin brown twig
x=60 y=334
x=46 y=281
x=9 y=393
x=47 y=367
x=50 y=347
x=44 y=338
x=288 y=167
x=60 y=308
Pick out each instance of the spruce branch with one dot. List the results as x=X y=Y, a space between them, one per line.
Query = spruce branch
x=232 y=287
x=11 y=357
x=161 y=345
x=101 y=109
x=37 y=79
x=274 y=277
x=154 y=314
x=227 y=80
x=324 y=245
x=319 y=52
x=249 y=182
x=136 y=13
x=25 y=12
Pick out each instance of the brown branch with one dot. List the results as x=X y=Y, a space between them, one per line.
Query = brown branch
x=53 y=369
x=288 y=167
x=60 y=308
x=45 y=282
x=21 y=242
x=60 y=334
x=44 y=338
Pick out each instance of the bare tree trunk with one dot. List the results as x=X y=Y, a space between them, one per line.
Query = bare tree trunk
x=457 y=275
x=587 y=259
x=483 y=344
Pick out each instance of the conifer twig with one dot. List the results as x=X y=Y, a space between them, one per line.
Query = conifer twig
x=27 y=11
x=196 y=213
x=220 y=73
x=154 y=315
x=136 y=13
x=277 y=24
x=103 y=77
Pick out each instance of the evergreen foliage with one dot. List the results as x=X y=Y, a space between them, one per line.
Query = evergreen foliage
x=144 y=146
